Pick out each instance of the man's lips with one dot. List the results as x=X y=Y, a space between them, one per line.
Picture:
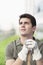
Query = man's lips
x=23 y=29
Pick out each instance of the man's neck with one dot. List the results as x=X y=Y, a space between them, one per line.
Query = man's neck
x=23 y=38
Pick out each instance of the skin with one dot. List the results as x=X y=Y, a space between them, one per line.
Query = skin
x=26 y=32
x=26 y=29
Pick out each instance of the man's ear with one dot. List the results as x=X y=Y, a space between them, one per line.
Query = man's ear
x=34 y=28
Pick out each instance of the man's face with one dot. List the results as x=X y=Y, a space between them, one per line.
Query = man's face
x=25 y=27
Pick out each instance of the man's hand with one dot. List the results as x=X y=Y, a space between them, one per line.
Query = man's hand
x=32 y=45
x=28 y=46
x=36 y=54
x=23 y=53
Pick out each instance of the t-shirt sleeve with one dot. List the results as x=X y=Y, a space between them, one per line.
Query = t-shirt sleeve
x=10 y=52
x=41 y=50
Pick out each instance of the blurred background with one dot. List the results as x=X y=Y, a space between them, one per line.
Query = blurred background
x=10 y=10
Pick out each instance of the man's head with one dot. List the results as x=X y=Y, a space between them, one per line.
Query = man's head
x=27 y=24
x=32 y=18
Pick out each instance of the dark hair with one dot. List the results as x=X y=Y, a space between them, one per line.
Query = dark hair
x=32 y=18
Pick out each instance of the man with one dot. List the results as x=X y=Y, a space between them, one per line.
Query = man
x=25 y=51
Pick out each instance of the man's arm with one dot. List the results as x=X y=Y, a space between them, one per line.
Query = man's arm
x=21 y=56
x=9 y=55
x=18 y=61
x=39 y=62
x=38 y=55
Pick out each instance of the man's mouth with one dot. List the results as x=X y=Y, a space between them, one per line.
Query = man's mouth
x=23 y=29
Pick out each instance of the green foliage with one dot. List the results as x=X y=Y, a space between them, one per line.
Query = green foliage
x=3 y=45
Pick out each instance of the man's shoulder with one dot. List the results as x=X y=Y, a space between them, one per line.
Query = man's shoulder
x=13 y=43
x=40 y=43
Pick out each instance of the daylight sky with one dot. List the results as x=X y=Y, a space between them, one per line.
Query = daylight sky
x=9 y=13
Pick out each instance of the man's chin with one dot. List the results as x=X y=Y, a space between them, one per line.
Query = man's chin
x=23 y=34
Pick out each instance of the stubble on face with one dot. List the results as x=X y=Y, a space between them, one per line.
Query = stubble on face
x=25 y=27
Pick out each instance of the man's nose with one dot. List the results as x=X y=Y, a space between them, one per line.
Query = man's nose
x=23 y=25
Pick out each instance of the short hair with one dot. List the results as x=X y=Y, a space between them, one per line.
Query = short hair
x=32 y=18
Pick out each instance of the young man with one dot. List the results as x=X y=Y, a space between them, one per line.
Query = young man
x=26 y=50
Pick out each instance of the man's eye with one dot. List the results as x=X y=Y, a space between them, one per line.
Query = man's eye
x=20 y=22
x=23 y=23
x=26 y=23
